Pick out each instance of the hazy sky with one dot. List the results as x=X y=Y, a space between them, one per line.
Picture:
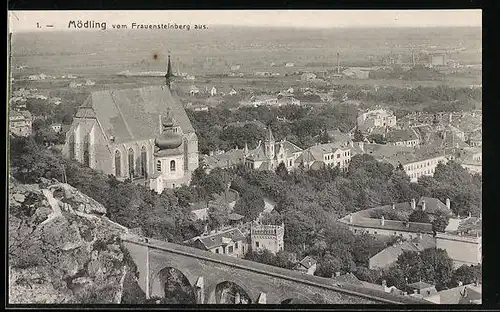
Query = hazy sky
x=22 y=21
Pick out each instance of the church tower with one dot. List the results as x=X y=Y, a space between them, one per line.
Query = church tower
x=269 y=145
x=169 y=75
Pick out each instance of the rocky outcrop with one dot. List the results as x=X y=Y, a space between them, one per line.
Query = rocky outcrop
x=62 y=247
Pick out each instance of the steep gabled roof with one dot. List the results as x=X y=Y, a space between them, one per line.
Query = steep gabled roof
x=218 y=239
x=133 y=114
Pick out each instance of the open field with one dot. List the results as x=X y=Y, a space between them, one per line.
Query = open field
x=217 y=49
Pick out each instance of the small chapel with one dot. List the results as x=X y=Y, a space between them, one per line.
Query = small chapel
x=141 y=134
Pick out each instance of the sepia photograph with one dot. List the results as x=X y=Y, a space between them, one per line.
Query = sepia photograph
x=259 y=157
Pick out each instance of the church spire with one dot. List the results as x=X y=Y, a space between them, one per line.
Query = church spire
x=169 y=76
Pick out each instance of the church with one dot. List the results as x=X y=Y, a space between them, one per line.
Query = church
x=141 y=134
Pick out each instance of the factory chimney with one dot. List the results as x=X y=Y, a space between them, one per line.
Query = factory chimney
x=338 y=63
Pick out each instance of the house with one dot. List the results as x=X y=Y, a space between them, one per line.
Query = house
x=56 y=127
x=306 y=265
x=190 y=77
x=213 y=91
x=402 y=137
x=74 y=84
x=362 y=222
x=463 y=294
x=89 y=82
x=437 y=59
x=225 y=160
x=269 y=237
x=20 y=123
x=193 y=90
x=338 y=137
x=235 y=219
x=288 y=100
x=307 y=76
x=142 y=134
x=422 y=289
x=289 y=65
x=387 y=257
x=235 y=67
x=199 y=107
x=268 y=155
x=470 y=159
x=376 y=118
x=357 y=72
x=230 y=242
x=263 y=100
x=232 y=92
x=475 y=138
x=329 y=154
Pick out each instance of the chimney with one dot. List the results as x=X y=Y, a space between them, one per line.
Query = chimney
x=393 y=206
x=460 y=283
x=405 y=293
x=413 y=203
x=480 y=215
x=415 y=291
x=423 y=205
x=448 y=203
x=384 y=283
x=338 y=63
x=382 y=221
x=337 y=274
x=470 y=215
x=407 y=224
x=419 y=235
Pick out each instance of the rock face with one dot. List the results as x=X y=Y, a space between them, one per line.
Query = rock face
x=62 y=249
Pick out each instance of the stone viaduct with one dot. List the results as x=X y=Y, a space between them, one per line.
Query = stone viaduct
x=262 y=283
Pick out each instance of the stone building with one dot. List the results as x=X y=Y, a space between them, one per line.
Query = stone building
x=20 y=123
x=268 y=237
x=142 y=134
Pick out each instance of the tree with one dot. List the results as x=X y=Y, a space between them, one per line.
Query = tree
x=440 y=223
x=466 y=274
x=358 y=136
x=328 y=265
x=217 y=216
x=419 y=216
x=324 y=137
x=281 y=170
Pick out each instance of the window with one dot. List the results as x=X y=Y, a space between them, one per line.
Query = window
x=216 y=250
x=236 y=245
x=72 y=146
x=131 y=162
x=375 y=232
x=172 y=165
x=118 y=164
x=230 y=249
x=395 y=233
x=86 y=149
x=338 y=155
x=158 y=165
x=144 y=162
x=257 y=244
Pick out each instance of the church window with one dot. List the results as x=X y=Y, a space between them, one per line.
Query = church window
x=131 y=162
x=144 y=162
x=158 y=165
x=118 y=162
x=86 y=148
x=172 y=165
x=72 y=146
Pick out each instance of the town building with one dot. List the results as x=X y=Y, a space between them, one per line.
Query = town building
x=56 y=127
x=142 y=134
x=20 y=123
x=258 y=100
x=357 y=72
x=268 y=155
x=229 y=242
x=193 y=90
x=362 y=221
x=471 y=159
x=475 y=139
x=422 y=289
x=437 y=59
x=213 y=91
x=268 y=237
x=326 y=155
x=306 y=265
x=232 y=92
x=225 y=200
x=376 y=118
x=224 y=160
x=235 y=67
x=388 y=256
x=289 y=65
x=463 y=294
x=402 y=137
x=307 y=76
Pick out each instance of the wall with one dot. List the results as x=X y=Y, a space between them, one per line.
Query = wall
x=384 y=232
x=459 y=248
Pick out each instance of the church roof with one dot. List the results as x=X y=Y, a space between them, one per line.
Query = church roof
x=133 y=114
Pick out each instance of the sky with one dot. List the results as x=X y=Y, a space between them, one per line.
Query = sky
x=26 y=21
